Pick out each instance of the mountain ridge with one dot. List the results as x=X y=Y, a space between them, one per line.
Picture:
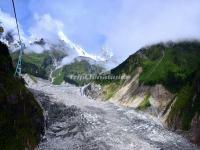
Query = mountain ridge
x=164 y=82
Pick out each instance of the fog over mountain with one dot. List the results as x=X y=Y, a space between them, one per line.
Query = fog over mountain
x=100 y=74
x=47 y=34
x=122 y=26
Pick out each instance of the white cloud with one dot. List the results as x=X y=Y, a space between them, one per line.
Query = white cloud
x=9 y=25
x=34 y=48
x=7 y=21
x=122 y=25
x=45 y=27
x=143 y=22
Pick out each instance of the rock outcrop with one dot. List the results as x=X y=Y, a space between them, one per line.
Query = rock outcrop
x=165 y=82
x=195 y=129
x=92 y=91
x=21 y=118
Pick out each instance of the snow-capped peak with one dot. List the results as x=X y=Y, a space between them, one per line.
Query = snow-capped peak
x=78 y=49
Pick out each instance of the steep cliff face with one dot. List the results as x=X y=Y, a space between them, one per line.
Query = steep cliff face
x=185 y=111
x=21 y=118
x=164 y=82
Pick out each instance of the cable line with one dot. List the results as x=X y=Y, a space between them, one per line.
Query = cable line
x=18 y=69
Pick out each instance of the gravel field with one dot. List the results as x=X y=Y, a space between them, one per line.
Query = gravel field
x=75 y=122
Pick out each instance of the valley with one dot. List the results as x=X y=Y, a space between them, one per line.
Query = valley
x=164 y=82
x=99 y=75
x=76 y=122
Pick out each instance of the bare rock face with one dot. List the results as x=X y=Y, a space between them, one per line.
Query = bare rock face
x=130 y=94
x=160 y=98
x=195 y=129
x=92 y=91
x=155 y=100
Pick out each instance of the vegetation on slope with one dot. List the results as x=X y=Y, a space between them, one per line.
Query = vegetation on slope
x=21 y=118
x=76 y=69
x=176 y=66
x=109 y=90
x=187 y=105
x=145 y=103
x=58 y=76
x=180 y=62
x=38 y=64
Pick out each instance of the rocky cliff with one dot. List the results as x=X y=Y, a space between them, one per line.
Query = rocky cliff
x=21 y=118
x=164 y=82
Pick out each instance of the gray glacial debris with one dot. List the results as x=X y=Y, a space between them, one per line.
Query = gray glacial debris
x=75 y=122
x=92 y=91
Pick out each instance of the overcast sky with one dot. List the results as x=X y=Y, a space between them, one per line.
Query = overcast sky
x=121 y=25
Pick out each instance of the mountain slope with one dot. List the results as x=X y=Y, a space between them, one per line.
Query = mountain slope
x=21 y=118
x=39 y=64
x=48 y=65
x=45 y=57
x=80 y=67
x=164 y=82
x=51 y=59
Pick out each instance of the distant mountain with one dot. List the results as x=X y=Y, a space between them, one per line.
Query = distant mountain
x=165 y=81
x=45 y=59
x=44 y=55
x=40 y=44
x=81 y=66
x=39 y=64
x=56 y=65
x=76 y=50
